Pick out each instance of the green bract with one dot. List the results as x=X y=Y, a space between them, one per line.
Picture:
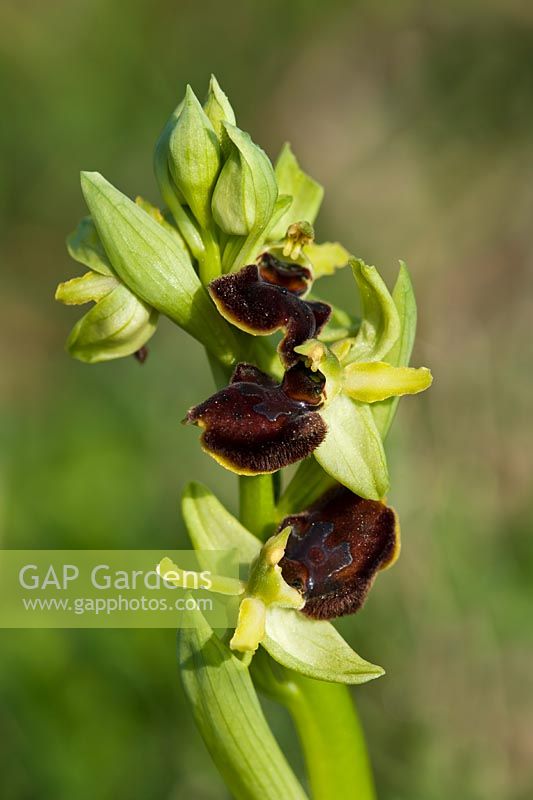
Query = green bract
x=230 y=719
x=150 y=262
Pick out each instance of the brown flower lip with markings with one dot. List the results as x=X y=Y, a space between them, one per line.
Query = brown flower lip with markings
x=335 y=550
x=265 y=297
x=255 y=425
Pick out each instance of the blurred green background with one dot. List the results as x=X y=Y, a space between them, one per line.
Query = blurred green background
x=418 y=119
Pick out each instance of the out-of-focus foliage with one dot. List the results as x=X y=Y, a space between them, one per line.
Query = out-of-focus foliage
x=418 y=120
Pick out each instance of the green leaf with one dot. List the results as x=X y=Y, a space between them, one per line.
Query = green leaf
x=377 y=380
x=230 y=719
x=352 y=451
x=380 y=325
x=314 y=648
x=212 y=527
x=326 y=258
x=306 y=193
x=400 y=353
x=84 y=246
x=194 y=158
x=117 y=326
x=147 y=259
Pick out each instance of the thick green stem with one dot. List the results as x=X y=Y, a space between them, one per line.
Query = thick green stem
x=308 y=483
x=257 y=508
x=332 y=740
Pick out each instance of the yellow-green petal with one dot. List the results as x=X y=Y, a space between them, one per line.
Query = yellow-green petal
x=250 y=630
x=376 y=380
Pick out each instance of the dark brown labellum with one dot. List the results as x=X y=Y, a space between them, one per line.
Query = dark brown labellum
x=255 y=425
x=263 y=299
x=336 y=548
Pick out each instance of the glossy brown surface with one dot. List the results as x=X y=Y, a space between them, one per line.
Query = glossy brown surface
x=335 y=549
x=255 y=426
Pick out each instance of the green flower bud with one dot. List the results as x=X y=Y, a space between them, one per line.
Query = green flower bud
x=246 y=190
x=194 y=157
x=218 y=109
x=170 y=192
x=118 y=325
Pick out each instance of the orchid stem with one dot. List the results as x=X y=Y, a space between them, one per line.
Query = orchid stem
x=257 y=510
x=332 y=740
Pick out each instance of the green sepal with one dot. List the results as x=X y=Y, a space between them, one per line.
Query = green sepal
x=380 y=324
x=218 y=109
x=194 y=157
x=85 y=247
x=212 y=527
x=244 y=197
x=314 y=648
x=400 y=353
x=148 y=260
x=352 y=451
x=91 y=287
x=118 y=325
x=230 y=719
x=306 y=193
x=326 y=258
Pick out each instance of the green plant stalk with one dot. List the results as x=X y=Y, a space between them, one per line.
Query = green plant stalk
x=332 y=739
x=324 y=715
x=257 y=507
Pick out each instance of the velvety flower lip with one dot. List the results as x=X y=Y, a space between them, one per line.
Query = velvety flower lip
x=336 y=548
x=256 y=300
x=255 y=425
